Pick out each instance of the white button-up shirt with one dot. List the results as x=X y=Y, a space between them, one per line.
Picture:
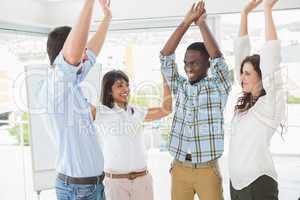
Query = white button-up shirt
x=121 y=133
x=249 y=154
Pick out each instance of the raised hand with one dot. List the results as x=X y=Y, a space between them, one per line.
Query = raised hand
x=252 y=4
x=269 y=3
x=172 y=43
x=105 y=5
x=97 y=40
x=202 y=14
x=192 y=14
x=75 y=44
x=270 y=29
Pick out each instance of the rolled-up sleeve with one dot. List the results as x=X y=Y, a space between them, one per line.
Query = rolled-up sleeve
x=64 y=76
x=74 y=73
x=64 y=70
x=220 y=72
x=87 y=64
x=170 y=72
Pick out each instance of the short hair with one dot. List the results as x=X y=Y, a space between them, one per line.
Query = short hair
x=199 y=46
x=56 y=41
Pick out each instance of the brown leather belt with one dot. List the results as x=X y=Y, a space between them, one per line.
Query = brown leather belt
x=195 y=165
x=130 y=176
x=82 y=181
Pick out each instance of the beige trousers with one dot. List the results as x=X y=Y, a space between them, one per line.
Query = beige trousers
x=206 y=182
x=140 y=188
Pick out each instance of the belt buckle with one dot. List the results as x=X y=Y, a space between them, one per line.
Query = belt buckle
x=131 y=176
x=190 y=164
x=65 y=179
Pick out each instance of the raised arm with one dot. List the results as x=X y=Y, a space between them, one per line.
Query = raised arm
x=271 y=51
x=209 y=41
x=166 y=109
x=242 y=46
x=273 y=107
x=244 y=16
x=218 y=67
x=270 y=29
x=177 y=35
x=167 y=56
x=96 y=42
x=93 y=111
x=76 y=42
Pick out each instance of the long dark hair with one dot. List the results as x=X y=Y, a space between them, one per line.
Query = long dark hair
x=247 y=100
x=108 y=80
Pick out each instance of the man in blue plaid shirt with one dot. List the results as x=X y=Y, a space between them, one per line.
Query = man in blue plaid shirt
x=197 y=135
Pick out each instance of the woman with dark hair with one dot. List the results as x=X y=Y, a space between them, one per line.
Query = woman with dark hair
x=120 y=128
x=258 y=113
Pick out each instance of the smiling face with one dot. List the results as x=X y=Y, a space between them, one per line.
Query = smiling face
x=195 y=65
x=115 y=89
x=120 y=92
x=250 y=79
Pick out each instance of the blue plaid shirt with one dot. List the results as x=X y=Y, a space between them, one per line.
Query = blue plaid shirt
x=197 y=126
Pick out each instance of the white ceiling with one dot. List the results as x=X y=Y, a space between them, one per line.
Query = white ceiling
x=126 y=14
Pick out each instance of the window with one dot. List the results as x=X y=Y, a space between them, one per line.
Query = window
x=136 y=53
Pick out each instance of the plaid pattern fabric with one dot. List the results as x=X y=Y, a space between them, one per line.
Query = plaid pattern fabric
x=198 y=121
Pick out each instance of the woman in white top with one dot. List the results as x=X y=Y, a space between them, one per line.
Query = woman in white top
x=258 y=113
x=120 y=128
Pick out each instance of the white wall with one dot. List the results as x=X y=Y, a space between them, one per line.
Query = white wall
x=136 y=9
x=25 y=12
x=62 y=13
x=145 y=12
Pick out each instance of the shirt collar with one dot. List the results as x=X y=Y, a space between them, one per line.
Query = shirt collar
x=118 y=108
x=198 y=80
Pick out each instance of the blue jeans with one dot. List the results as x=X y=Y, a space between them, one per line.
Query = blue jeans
x=66 y=191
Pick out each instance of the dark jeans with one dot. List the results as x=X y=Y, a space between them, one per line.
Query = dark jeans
x=66 y=191
x=263 y=188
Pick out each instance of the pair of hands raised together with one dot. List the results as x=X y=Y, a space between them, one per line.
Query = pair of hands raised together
x=268 y=4
x=196 y=14
x=105 y=5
